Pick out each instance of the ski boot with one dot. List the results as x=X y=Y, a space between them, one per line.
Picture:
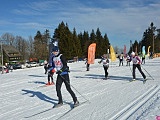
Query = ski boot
x=52 y=83
x=58 y=105
x=76 y=104
x=144 y=81
x=48 y=83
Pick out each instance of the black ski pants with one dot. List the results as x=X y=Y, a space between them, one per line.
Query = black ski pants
x=60 y=80
x=143 y=60
x=121 y=62
x=105 y=70
x=138 y=66
x=87 y=66
x=50 y=75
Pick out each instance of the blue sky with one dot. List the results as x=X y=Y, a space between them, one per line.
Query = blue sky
x=121 y=20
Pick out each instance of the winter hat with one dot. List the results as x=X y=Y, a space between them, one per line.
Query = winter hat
x=133 y=53
x=55 y=49
x=104 y=55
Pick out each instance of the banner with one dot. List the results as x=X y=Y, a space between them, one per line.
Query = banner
x=124 y=52
x=113 y=55
x=91 y=53
x=148 y=49
x=143 y=50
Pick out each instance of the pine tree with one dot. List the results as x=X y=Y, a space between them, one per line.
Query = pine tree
x=100 y=42
x=86 y=43
x=41 y=45
x=64 y=36
x=148 y=36
x=106 y=43
x=93 y=36
x=157 y=42
x=77 y=45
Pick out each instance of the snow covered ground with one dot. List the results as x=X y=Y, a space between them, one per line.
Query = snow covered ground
x=22 y=96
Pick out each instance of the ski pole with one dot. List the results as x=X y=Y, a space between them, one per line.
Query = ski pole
x=148 y=73
x=131 y=69
x=74 y=88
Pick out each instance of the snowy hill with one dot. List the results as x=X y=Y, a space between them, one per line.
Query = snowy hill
x=22 y=96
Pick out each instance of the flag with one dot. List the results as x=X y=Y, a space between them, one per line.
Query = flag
x=148 y=49
x=91 y=53
x=143 y=50
x=124 y=51
x=113 y=55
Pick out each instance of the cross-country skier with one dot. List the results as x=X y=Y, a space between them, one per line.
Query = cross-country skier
x=128 y=60
x=51 y=72
x=120 y=59
x=143 y=58
x=105 y=62
x=62 y=70
x=137 y=64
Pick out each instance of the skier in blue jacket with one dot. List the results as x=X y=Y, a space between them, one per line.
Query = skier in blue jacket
x=62 y=70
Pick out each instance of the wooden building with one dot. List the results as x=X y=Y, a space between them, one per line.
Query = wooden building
x=10 y=53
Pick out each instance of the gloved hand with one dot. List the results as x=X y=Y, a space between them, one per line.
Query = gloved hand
x=138 y=62
x=59 y=72
x=53 y=71
x=67 y=69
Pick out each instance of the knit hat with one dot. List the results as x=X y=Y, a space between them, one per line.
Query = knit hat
x=133 y=53
x=55 y=49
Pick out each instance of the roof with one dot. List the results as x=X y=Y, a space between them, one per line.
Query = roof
x=11 y=51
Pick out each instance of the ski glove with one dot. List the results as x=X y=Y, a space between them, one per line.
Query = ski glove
x=59 y=72
x=53 y=71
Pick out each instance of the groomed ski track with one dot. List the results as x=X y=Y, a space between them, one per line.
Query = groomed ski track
x=22 y=98
x=127 y=112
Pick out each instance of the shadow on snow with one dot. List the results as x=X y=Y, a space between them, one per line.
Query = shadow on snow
x=43 y=97
x=39 y=95
x=37 y=82
x=93 y=76
x=37 y=75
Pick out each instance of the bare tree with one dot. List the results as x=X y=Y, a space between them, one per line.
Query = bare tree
x=8 y=38
x=30 y=46
x=22 y=45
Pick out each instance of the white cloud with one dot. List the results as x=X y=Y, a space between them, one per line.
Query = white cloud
x=120 y=19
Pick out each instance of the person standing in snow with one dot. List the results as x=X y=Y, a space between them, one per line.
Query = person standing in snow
x=87 y=64
x=105 y=62
x=137 y=64
x=62 y=76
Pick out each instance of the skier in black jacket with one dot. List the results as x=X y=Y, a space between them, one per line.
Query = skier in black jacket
x=62 y=70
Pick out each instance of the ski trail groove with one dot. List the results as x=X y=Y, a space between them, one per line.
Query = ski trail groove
x=136 y=104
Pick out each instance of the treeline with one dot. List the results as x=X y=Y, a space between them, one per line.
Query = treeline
x=151 y=37
x=74 y=44
x=71 y=44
